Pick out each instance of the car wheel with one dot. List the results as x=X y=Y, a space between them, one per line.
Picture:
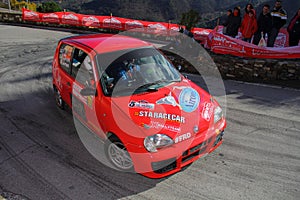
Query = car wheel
x=118 y=155
x=58 y=99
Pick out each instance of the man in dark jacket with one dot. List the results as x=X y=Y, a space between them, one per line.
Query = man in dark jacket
x=279 y=17
x=234 y=22
x=264 y=23
x=294 y=29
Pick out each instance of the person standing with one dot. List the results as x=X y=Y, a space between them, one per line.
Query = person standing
x=234 y=22
x=248 y=7
x=294 y=30
x=225 y=24
x=264 y=23
x=279 y=17
x=249 y=26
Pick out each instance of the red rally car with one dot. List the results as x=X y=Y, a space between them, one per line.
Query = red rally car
x=153 y=120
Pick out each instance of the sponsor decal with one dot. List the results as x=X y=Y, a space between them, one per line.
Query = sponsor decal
x=90 y=20
x=175 y=28
x=141 y=104
x=112 y=22
x=52 y=17
x=133 y=24
x=160 y=126
x=207 y=111
x=168 y=100
x=189 y=99
x=183 y=137
x=31 y=15
x=159 y=115
x=70 y=18
x=157 y=26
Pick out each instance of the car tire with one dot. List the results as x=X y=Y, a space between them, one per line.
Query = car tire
x=118 y=155
x=58 y=99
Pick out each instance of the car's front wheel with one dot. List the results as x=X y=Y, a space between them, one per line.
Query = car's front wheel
x=118 y=155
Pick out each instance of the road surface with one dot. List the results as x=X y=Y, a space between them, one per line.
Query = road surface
x=42 y=157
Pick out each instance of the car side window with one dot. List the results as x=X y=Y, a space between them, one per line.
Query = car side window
x=82 y=69
x=65 y=55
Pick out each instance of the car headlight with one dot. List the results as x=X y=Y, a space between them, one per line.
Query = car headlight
x=154 y=142
x=218 y=114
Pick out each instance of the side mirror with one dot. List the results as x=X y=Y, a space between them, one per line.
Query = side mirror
x=88 y=91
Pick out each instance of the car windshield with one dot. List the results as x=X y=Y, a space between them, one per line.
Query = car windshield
x=135 y=71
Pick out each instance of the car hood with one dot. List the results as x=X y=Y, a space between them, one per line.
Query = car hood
x=180 y=107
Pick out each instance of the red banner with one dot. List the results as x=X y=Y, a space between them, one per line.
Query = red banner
x=107 y=22
x=223 y=44
x=201 y=34
x=213 y=39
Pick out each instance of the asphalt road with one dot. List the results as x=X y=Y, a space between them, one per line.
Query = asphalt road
x=42 y=157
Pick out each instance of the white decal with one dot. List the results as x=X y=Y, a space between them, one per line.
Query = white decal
x=168 y=100
x=141 y=104
x=112 y=22
x=157 y=26
x=31 y=14
x=70 y=18
x=159 y=115
x=160 y=126
x=207 y=111
x=90 y=20
x=183 y=137
x=52 y=17
x=133 y=24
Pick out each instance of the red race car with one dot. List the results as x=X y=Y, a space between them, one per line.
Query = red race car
x=153 y=120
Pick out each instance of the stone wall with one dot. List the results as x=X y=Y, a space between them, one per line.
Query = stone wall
x=253 y=69
x=245 y=69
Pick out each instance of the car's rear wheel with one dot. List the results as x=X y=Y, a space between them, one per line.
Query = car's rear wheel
x=58 y=99
x=118 y=155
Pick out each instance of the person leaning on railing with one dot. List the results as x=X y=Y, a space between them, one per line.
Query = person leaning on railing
x=279 y=17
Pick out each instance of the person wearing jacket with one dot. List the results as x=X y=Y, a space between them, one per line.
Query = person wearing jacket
x=234 y=22
x=249 y=7
x=279 y=17
x=229 y=13
x=264 y=24
x=249 y=26
x=294 y=30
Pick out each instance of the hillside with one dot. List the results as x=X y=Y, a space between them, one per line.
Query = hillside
x=165 y=10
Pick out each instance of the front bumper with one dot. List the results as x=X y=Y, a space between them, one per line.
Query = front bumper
x=173 y=159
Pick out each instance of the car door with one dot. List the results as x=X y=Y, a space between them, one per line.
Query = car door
x=83 y=73
x=65 y=81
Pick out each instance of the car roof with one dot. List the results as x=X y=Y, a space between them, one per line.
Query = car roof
x=104 y=43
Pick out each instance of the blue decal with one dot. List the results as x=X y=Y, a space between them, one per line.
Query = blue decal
x=189 y=99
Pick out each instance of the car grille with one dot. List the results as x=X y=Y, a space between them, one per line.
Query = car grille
x=171 y=164
x=164 y=166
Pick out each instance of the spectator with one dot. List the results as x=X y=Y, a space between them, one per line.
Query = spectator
x=279 y=17
x=234 y=22
x=249 y=7
x=294 y=30
x=249 y=26
x=225 y=24
x=264 y=23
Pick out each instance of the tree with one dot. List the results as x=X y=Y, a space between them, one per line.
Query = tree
x=189 y=19
x=48 y=7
